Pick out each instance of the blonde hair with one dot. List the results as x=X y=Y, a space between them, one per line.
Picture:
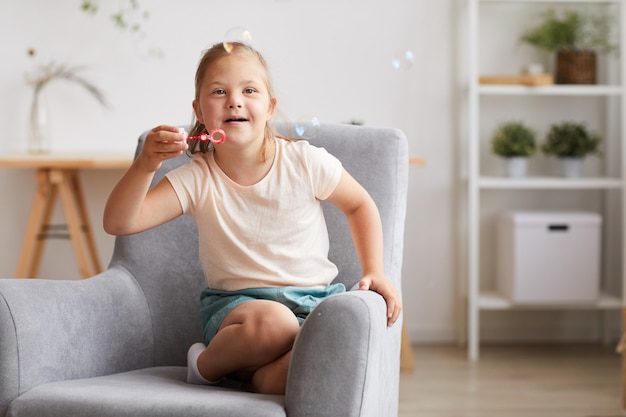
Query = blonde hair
x=209 y=57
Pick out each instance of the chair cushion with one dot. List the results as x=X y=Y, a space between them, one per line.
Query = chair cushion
x=154 y=392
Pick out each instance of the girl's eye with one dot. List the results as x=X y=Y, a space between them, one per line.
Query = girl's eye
x=249 y=90
x=219 y=91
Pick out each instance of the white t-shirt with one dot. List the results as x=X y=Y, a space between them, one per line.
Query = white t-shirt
x=270 y=234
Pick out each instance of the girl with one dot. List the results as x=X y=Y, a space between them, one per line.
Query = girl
x=256 y=201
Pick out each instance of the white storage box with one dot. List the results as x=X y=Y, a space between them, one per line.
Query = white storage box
x=548 y=257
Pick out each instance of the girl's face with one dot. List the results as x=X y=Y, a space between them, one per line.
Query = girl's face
x=234 y=97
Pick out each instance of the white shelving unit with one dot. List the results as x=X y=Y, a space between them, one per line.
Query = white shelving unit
x=612 y=178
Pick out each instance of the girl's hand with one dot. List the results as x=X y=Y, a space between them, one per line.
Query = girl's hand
x=162 y=142
x=382 y=285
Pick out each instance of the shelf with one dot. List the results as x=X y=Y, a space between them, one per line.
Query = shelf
x=487 y=103
x=536 y=183
x=491 y=300
x=550 y=90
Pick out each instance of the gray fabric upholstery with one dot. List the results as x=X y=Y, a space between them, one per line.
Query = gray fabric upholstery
x=155 y=392
x=115 y=344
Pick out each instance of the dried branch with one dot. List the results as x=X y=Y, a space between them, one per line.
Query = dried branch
x=51 y=71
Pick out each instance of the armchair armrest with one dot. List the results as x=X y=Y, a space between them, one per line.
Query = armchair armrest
x=53 y=330
x=346 y=355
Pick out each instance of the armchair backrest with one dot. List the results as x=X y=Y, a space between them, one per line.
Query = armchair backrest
x=165 y=262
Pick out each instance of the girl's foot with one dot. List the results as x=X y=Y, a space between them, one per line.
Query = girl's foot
x=193 y=374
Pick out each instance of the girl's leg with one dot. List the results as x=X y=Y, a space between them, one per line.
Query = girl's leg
x=253 y=335
x=271 y=378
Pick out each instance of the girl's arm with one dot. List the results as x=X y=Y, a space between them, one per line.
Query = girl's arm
x=367 y=233
x=131 y=208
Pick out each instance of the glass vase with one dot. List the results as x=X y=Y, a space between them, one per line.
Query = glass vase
x=39 y=126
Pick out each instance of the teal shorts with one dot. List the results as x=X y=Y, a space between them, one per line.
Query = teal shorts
x=215 y=305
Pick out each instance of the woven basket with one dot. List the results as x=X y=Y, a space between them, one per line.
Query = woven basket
x=576 y=67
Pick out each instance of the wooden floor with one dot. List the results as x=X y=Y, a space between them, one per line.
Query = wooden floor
x=513 y=381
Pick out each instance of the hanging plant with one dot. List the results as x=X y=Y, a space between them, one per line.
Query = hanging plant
x=129 y=16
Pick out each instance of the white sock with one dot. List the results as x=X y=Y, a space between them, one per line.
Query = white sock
x=193 y=374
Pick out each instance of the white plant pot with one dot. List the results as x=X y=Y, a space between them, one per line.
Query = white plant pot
x=572 y=167
x=516 y=166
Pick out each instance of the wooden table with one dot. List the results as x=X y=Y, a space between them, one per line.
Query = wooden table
x=57 y=175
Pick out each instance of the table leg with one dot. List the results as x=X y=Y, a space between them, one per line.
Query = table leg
x=53 y=192
x=74 y=209
x=85 y=223
x=50 y=183
x=41 y=212
x=406 y=352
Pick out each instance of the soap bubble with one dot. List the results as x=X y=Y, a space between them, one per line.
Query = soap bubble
x=403 y=60
x=307 y=127
x=237 y=34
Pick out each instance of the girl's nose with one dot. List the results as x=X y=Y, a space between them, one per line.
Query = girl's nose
x=235 y=102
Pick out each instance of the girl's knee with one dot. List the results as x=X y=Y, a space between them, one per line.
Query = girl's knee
x=266 y=325
x=275 y=326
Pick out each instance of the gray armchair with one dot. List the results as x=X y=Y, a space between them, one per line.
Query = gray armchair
x=115 y=344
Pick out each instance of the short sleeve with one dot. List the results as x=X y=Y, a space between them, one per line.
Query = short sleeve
x=325 y=170
x=186 y=182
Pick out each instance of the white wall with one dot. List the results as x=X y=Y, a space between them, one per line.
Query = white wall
x=329 y=58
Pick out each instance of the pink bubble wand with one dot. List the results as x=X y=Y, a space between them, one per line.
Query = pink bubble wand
x=216 y=136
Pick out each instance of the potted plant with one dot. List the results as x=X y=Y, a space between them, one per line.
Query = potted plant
x=575 y=38
x=571 y=142
x=515 y=142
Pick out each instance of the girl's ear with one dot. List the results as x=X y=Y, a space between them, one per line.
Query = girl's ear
x=272 y=108
x=198 y=111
